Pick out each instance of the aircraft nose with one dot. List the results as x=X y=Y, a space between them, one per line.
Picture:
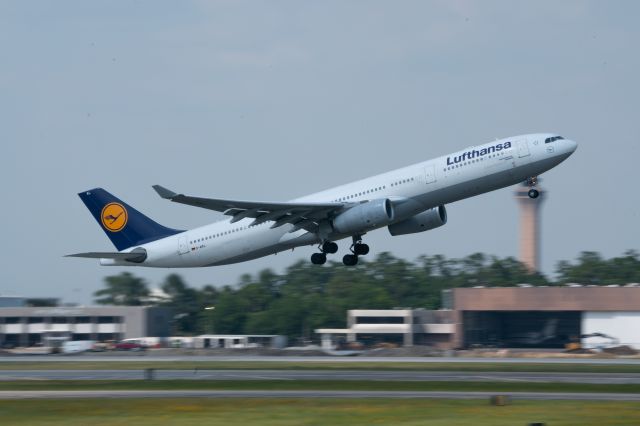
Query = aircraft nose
x=571 y=145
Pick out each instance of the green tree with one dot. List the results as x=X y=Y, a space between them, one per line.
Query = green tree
x=207 y=300
x=306 y=297
x=229 y=314
x=184 y=302
x=592 y=269
x=123 y=290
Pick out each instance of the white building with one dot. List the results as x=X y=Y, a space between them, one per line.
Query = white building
x=404 y=327
x=508 y=317
x=240 y=341
x=46 y=326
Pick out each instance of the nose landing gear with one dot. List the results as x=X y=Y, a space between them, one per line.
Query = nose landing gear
x=533 y=192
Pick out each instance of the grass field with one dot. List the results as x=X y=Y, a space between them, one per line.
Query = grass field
x=365 y=385
x=142 y=412
x=305 y=411
x=334 y=365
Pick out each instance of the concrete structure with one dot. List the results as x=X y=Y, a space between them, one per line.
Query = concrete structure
x=240 y=341
x=512 y=316
x=526 y=316
x=529 y=226
x=623 y=327
x=214 y=341
x=404 y=327
x=51 y=326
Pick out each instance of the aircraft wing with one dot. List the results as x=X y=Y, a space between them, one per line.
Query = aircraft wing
x=301 y=215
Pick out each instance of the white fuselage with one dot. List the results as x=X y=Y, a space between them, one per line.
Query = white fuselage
x=412 y=189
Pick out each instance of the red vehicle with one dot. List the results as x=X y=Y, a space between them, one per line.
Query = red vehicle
x=128 y=346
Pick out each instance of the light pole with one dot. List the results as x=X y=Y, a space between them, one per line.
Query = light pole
x=210 y=309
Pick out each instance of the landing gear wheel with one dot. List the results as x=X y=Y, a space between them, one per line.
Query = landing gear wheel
x=360 y=249
x=531 y=183
x=350 y=259
x=329 y=247
x=318 y=258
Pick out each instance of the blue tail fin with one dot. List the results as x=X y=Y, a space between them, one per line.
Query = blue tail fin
x=125 y=226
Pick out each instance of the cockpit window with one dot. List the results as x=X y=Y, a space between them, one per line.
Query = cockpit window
x=553 y=139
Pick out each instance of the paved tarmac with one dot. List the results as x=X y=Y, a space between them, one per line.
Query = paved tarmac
x=287 y=375
x=145 y=357
x=8 y=395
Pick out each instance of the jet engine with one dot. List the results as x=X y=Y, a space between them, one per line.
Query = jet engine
x=421 y=222
x=364 y=217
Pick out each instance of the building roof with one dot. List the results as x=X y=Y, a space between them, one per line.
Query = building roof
x=546 y=299
x=71 y=311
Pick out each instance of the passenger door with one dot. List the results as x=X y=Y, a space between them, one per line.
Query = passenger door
x=523 y=148
x=430 y=173
x=183 y=244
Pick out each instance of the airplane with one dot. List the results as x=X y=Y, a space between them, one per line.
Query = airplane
x=408 y=200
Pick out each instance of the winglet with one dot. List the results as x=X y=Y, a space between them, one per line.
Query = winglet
x=164 y=192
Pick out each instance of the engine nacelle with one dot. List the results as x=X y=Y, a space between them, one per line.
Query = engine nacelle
x=421 y=222
x=138 y=255
x=364 y=217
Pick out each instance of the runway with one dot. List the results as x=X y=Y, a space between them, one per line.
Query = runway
x=346 y=375
x=145 y=357
x=11 y=395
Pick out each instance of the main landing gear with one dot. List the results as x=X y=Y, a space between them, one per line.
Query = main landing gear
x=358 y=249
x=321 y=258
x=329 y=247
x=533 y=192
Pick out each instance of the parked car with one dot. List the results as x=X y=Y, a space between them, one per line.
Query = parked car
x=128 y=346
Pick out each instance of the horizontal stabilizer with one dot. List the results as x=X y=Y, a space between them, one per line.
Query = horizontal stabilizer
x=136 y=256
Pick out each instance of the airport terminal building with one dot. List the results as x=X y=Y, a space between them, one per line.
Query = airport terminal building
x=509 y=317
x=30 y=326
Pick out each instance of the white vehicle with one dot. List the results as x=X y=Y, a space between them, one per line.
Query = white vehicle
x=406 y=200
x=77 y=346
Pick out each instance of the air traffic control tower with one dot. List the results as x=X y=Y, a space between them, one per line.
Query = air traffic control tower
x=529 y=226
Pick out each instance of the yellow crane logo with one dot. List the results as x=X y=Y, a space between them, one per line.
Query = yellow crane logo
x=114 y=217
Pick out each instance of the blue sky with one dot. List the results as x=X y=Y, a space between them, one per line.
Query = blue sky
x=273 y=100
